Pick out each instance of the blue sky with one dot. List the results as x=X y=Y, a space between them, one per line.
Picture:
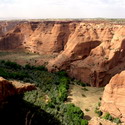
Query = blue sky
x=62 y=8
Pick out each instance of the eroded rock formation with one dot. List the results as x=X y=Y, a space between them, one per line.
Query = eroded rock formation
x=93 y=53
x=90 y=52
x=8 y=88
x=113 y=100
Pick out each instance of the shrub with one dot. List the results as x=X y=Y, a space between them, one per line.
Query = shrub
x=87 y=110
x=81 y=83
x=70 y=111
x=84 y=122
x=107 y=116
x=12 y=65
x=117 y=120
x=42 y=68
x=83 y=95
x=62 y=73
x=98 y=112
x=85 y=89
x=2 y=61
x=100 y=98
x=29 y=67
x=99 y=104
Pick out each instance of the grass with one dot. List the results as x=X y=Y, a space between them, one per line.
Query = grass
x=26 y=57
x=83 y=95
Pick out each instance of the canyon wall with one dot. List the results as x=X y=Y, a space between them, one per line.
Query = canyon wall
x=90 y=52
x=113 y=100
x=11 y=88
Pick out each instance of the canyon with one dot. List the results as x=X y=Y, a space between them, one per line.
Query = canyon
x=91 y=52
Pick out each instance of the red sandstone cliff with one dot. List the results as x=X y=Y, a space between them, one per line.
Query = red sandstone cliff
x=113 y=100
x=93 y=53
x=8 y=88
x=90 y=52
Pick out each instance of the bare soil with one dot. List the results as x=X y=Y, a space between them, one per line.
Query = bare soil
x=26 y=58
x=86 y=100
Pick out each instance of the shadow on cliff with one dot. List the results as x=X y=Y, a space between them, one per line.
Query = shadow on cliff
x=116 y=64
x=16 y=111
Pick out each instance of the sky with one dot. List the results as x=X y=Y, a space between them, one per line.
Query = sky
x=37 y=9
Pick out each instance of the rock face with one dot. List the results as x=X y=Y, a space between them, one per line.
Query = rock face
x=99 y=121
x=8 y=88
x=37 y=37
x=90 y=52
x=113 y=100
x=93 y=53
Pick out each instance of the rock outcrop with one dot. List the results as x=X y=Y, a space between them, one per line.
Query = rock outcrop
x=113 y=100
x=91 y=52
x=99 y=121
x=8 y=88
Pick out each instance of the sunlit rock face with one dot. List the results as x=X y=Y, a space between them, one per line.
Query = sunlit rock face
x=90 y=52
x=99 y=121
x=8 y=88
x=113 y=100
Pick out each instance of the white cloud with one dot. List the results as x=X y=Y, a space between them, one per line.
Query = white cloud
x=62 y=8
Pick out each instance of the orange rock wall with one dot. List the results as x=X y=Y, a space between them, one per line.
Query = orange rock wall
x=113 y=100
x=90 y=52
x=8 y=88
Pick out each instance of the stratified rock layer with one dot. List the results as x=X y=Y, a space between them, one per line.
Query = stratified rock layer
x=113 y=100
x=8 y=88
x=90 y=52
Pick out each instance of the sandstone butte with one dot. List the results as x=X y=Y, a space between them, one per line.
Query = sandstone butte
x=113 y=100
x=90 y=52
x=8 y=88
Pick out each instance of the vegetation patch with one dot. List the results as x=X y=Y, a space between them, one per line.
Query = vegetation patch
x=48 y=101
x=107 y=116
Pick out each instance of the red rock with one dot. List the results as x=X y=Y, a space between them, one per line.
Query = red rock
x=99 y=121
x=8 y=88
x=113 y=100
x=90 y=52
x=95 y=56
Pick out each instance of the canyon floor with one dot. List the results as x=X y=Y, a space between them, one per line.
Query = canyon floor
x=23 y=58
x=87 y=99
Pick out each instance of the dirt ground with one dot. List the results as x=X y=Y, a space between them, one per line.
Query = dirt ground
x=26 y=58
x=86 y=100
